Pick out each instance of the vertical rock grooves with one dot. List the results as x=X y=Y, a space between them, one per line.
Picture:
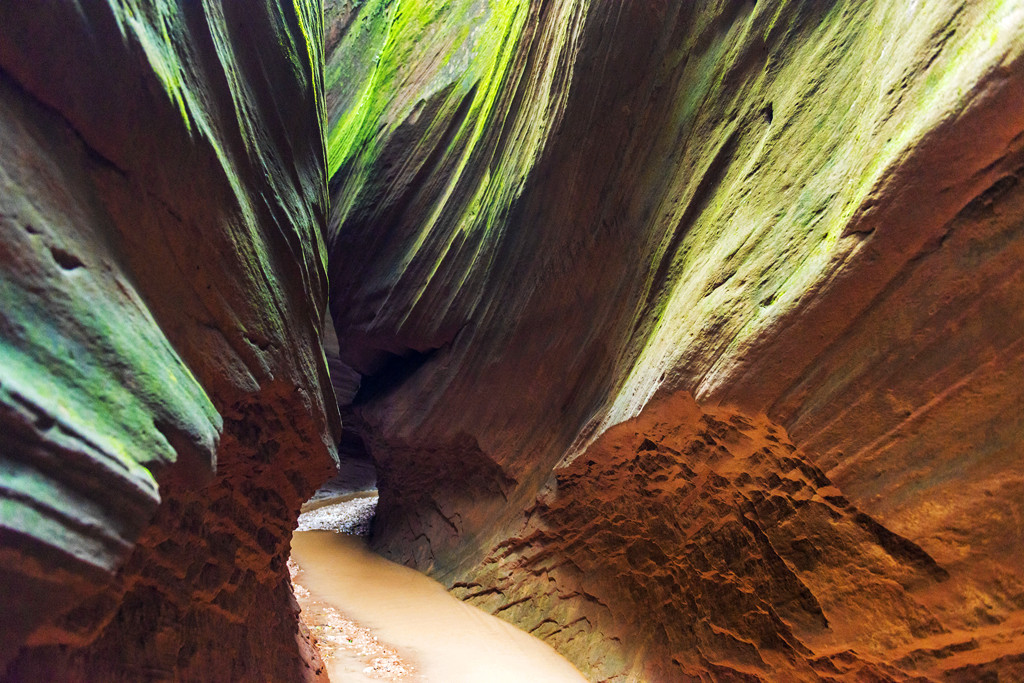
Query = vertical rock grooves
x=164 y=401
x=684 y=334
x=806 y=215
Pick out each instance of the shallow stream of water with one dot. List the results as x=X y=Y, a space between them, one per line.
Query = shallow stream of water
x=447 y=640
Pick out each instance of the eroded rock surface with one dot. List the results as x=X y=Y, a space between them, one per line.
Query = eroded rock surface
x=688 y=542
x=164 y=400
x=545 y=214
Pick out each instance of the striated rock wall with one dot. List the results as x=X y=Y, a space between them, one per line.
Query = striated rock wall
x=544 y=214
x=690 y=543
x=164 y=400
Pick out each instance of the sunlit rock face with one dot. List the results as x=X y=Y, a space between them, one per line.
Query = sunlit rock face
x=688 y=543
x=546 y=215
x=164 y=401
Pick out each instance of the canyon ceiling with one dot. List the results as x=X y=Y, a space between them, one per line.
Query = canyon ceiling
x=687 y=336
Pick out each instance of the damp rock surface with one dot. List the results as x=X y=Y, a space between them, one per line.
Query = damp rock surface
x=164 y=401
x=641 y=309
x=547 y=216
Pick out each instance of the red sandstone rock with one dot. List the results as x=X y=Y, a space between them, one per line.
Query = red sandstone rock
x=543 y=215
x=689 y=542
x=804 y=210
x=164 y=401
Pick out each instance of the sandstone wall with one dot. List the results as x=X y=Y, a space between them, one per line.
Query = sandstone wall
x=164 y=400
x=545 y=215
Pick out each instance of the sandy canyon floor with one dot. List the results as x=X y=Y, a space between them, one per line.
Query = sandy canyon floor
x=374 y=620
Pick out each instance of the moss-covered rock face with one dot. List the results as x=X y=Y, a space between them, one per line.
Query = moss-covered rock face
x=805 y=210
x=164 y=406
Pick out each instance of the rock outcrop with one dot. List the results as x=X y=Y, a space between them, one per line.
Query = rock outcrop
x=164 y=400
x=805 y=215
x=688 y=543
x=687 y=335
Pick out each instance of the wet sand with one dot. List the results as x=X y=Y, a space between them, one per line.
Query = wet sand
x=350 y=652
x=446 y=640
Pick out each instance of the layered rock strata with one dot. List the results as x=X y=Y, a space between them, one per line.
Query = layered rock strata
x=545 y=214
x=692 y=543
x=164 y=401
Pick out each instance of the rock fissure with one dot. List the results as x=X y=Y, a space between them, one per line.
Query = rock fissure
x=685 y=336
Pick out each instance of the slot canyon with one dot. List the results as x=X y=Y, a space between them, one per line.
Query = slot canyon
x=684 y=335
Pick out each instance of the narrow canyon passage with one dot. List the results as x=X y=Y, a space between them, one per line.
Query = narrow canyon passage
x=685 y=337
x=446 y=640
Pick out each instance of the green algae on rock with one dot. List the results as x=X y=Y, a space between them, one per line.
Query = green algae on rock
x=551 y=223
x=763 y=204
x=163 y=388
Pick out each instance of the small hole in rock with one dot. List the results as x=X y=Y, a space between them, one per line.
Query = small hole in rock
x=65 y=259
